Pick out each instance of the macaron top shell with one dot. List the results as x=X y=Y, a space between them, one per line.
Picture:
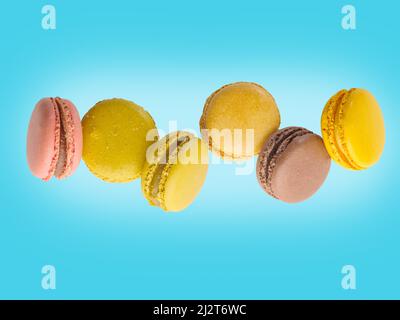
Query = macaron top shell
x=115 y=139
x=293 y=164
x=43 y=139
x=239 y=106
x=353 y=129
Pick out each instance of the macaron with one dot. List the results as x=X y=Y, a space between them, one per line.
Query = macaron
x=54 y=139
x=353 y=129
x=238 y=118
x=293 y=164
x=175 y=171
x=116 y=135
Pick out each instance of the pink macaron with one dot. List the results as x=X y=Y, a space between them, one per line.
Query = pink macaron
x=54 y=141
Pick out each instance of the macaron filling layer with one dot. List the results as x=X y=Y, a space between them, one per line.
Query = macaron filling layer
x=56 y=151
x=329 y=129
x=62 y=154
x=340 y=135
x=334 y=130
x=67 y=146
x=162 y=167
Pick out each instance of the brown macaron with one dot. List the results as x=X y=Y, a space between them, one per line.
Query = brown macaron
x=293 y=164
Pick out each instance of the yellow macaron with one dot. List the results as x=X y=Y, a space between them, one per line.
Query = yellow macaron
x=175 y=171
x=353 y=129
x=238 y=118
x=115 y=139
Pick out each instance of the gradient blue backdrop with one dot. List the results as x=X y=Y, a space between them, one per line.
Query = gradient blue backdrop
x=234 y=242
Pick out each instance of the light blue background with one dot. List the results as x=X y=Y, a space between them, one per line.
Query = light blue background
x=234 y=242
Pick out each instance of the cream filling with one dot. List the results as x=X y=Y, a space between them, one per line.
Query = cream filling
x=67 y=146
x=170 y=153
x=62 y=155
